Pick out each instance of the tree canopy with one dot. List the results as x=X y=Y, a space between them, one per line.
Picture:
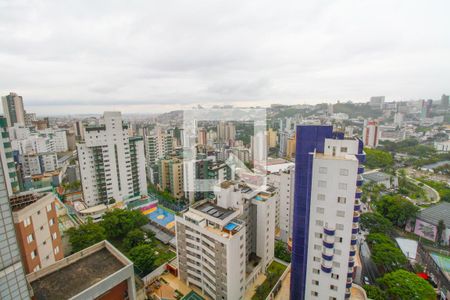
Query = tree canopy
x=134 y=238
x=375 y=223
x=374 y=292
x=118 y=222
x=86 y=235
x=402 y=284
x=388 y=257
x=397 y=209
x=376 y=158
x=143 y=256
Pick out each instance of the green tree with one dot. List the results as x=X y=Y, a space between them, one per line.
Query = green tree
x=133 y=238
x=143 y=257
x=375 y=223
x=439 y=231
x=86 y=235
x=388 y=257
x=378 y=238
x=397 y=209
x=118 y=222
x=374 y=292
x=402 y=284
x=281 y=251
x=376 y=158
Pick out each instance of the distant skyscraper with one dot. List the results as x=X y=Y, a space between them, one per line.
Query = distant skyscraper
x=445 y=100
x=12 y=276
x=13 y=109
x=326 y=213
x=370 y=134
x=112 y=165
x=377 y=102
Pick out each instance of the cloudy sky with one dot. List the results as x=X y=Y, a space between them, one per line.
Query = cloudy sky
x=152 y=56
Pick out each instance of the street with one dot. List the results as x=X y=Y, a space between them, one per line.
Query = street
x=369 y=269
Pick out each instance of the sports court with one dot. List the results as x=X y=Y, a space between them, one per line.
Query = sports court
x=161 y=217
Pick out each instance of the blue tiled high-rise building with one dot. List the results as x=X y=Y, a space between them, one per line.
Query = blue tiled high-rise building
x=326 y=213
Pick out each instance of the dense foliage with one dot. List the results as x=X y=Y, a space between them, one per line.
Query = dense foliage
x=385 y=254
x=397 y=209
x=378 y=159
x=86 y=235
x=402 y=284
x=282 y=252
x=118 y=222
x=374 y=292
x=274 y=272
x=375 y=223
x=143 y=257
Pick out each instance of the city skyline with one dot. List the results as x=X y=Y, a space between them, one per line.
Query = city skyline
x=156 y=58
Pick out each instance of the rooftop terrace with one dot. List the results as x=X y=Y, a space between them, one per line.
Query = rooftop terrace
x=76 y=273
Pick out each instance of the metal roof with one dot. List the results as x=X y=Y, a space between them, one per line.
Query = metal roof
x=435 y=213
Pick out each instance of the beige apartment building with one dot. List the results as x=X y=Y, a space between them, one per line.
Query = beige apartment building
x=36 y=224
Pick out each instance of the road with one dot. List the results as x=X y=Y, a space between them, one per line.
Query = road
x=369 y=269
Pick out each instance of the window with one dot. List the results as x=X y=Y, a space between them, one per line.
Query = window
x=322 y=183
x=51 y=222
x=321 y=197
x=339 y=226
x=27 y=222
x=49 y=207
x=336 y=264
x=317 y=247
x=343 y=172
x=320 y=210
x=342 y=186
x=332 y=298
x=29 y=238
x=314 y=293
x=33 y=254
x=333 y=287
x=340 y=213
x=341 y=200
x=319 y=222
x=335 y=276
x=317 y=259
x=315 y=282
x=54 y=236
x=337 y=252
x=323 y=170
x=343 y=149
x=338 y=239
x=316 y=271
x=56 y=251
x=318 y=235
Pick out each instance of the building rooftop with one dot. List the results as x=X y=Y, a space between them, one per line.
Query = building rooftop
x=214 y=211
x=76 y=273
x=435 y=213
x=376 y=176
x=22 y=200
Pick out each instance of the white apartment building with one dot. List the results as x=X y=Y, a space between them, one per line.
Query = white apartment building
x=46 y=141
x=39 y=163
x=284 y=181
x=329 y=202
x=158 y=145
x=111 y=165
x=223 y=246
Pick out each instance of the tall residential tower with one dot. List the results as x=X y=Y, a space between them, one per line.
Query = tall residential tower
x=326 y=210
x=112 y=165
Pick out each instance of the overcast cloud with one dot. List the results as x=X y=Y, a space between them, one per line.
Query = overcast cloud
x=152 y=56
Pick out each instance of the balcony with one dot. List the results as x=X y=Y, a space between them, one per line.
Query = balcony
x=350 y=274
x=327 y=257
x=358 y=193
x=361 y=158
x=355 y=217
x=325 y=269
x=351 y=264
x=328 y=245
x=360 y=169
x=352 y=253
x=330 y=232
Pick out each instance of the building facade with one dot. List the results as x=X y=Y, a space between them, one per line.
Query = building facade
x=7 y=159
x=37 y=230
x=106 y=163
x=370 y=134
x=326 y=209
x=223 y=246
x=12 y=276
